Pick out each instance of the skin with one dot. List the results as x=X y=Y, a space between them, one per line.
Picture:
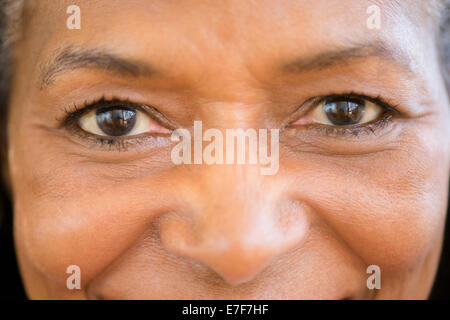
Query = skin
x=141 y=227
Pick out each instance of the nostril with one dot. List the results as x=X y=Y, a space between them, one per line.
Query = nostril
x=234 y=261
x=232 y=265
x=236 y=267
x=236 y=242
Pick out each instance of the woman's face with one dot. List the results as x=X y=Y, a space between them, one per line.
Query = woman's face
x=364 y=147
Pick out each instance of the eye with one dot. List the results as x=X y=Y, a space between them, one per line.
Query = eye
x=119 y=121
x=346 y=111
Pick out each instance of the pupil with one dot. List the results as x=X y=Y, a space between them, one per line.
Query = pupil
x=115 y=121
x=344 y=112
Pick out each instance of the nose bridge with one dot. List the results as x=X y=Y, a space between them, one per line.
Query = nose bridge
x=231 y=214
x=234 y=224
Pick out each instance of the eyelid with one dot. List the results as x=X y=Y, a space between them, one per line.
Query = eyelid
x=143 y=124
x=378 y=100
x=311 y=103
x=74 y=113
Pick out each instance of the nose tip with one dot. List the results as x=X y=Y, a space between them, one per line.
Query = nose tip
x=234 y=263
x=237 y=246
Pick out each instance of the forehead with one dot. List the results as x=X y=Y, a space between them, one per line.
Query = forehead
x=269 y=21
x=188 y=39
x=217 y=29
x=243 y=41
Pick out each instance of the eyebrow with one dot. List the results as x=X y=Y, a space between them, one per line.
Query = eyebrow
x=348 y=55
x=71 y=58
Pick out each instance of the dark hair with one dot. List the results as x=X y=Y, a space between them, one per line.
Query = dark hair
x=4 y=90
x=444 y=42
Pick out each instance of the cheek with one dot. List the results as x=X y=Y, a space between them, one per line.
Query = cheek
x=388 y=207
x=69 y=214
x=70 y=210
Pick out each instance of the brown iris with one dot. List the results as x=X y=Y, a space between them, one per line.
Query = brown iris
x=116 y=121
x=344 y=111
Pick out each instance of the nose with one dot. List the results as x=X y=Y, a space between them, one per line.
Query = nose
x=235 y=223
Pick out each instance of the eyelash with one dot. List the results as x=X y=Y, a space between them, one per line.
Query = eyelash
x=367 y=128
x=74 y=113
x=390 y=111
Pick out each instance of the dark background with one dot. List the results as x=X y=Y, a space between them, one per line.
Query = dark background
x=12 y=287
